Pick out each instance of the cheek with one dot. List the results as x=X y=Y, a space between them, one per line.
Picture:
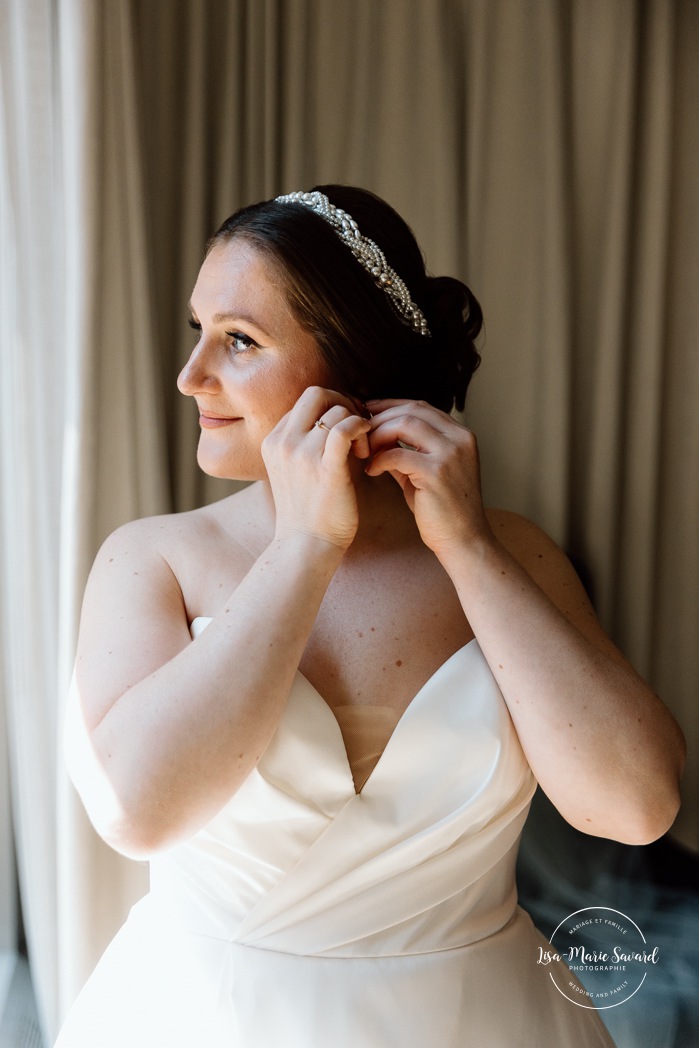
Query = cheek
x=276 y=390
x=269 y=398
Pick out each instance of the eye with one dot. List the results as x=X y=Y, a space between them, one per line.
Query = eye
x=240 y=341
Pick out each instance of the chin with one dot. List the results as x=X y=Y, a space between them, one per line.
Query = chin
x=231 y=466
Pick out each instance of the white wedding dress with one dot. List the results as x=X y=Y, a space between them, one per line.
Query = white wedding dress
x=307 y=915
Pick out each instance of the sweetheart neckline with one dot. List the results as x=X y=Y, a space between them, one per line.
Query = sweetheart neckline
x=338 y=731
x=473 y=640
x=398 y=727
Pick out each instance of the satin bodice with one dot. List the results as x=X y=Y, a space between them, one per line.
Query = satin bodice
x=307 y=913
x=429 y=842
x=365 y=733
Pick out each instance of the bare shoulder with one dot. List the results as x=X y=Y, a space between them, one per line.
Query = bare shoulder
x=169 y=562
x=149 y=580
x=552 y=571
x=167 y=533
x=195 y=553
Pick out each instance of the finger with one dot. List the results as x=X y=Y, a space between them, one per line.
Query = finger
x=333 y=417
x=315 y=401
x=423 y=407
x=440 y=422
x=381 y=403
x=360 y=445
x=395 y=460
x=348 y=435
x=406 y=429
x=329 y=419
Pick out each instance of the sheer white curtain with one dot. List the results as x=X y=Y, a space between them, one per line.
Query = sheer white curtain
x=81 y=425
x=32 y=388
x=114 y=468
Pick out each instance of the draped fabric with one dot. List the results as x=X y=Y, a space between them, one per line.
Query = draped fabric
x=31 y=309
x=81 y=435
x=113 y=463
x=546 y=152
x=305 y=914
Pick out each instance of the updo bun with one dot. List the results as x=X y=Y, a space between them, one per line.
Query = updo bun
x=370 y=351
x=455 y=320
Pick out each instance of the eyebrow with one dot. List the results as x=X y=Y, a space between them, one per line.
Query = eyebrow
x=222 y=318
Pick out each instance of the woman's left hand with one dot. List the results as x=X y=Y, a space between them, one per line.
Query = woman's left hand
x=600 y=743
x=438 y=470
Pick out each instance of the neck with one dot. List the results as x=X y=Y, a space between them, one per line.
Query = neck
x=385 y=520
x=384 y=516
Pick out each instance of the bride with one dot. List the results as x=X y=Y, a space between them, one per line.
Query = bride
x=320 y=707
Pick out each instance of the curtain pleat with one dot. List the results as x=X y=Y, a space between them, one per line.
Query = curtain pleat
x=518 y=215
x=114 y=465
x=674 y=656
x=645 y=309
x=31 y=391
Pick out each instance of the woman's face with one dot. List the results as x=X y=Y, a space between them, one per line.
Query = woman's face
x=251 y=363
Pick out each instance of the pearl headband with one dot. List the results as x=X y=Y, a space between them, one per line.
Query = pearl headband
x=367 y=253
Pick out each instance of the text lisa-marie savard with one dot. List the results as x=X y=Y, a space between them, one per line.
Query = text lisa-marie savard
x=584 y=956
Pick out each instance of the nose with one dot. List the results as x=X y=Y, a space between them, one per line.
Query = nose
x=199 y=373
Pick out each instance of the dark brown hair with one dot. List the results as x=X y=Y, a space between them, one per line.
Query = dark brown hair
x=369 y=349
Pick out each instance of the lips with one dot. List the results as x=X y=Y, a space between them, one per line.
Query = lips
x=210 y=421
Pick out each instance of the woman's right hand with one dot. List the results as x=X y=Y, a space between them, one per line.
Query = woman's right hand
x=310 y=467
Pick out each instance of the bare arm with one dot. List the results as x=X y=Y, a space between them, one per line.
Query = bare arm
x=176 y=726
x=603 y=747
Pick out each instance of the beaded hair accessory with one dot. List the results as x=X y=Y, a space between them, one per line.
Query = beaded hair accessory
x=367 y=253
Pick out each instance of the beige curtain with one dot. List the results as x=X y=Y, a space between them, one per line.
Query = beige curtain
x=545 y=151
